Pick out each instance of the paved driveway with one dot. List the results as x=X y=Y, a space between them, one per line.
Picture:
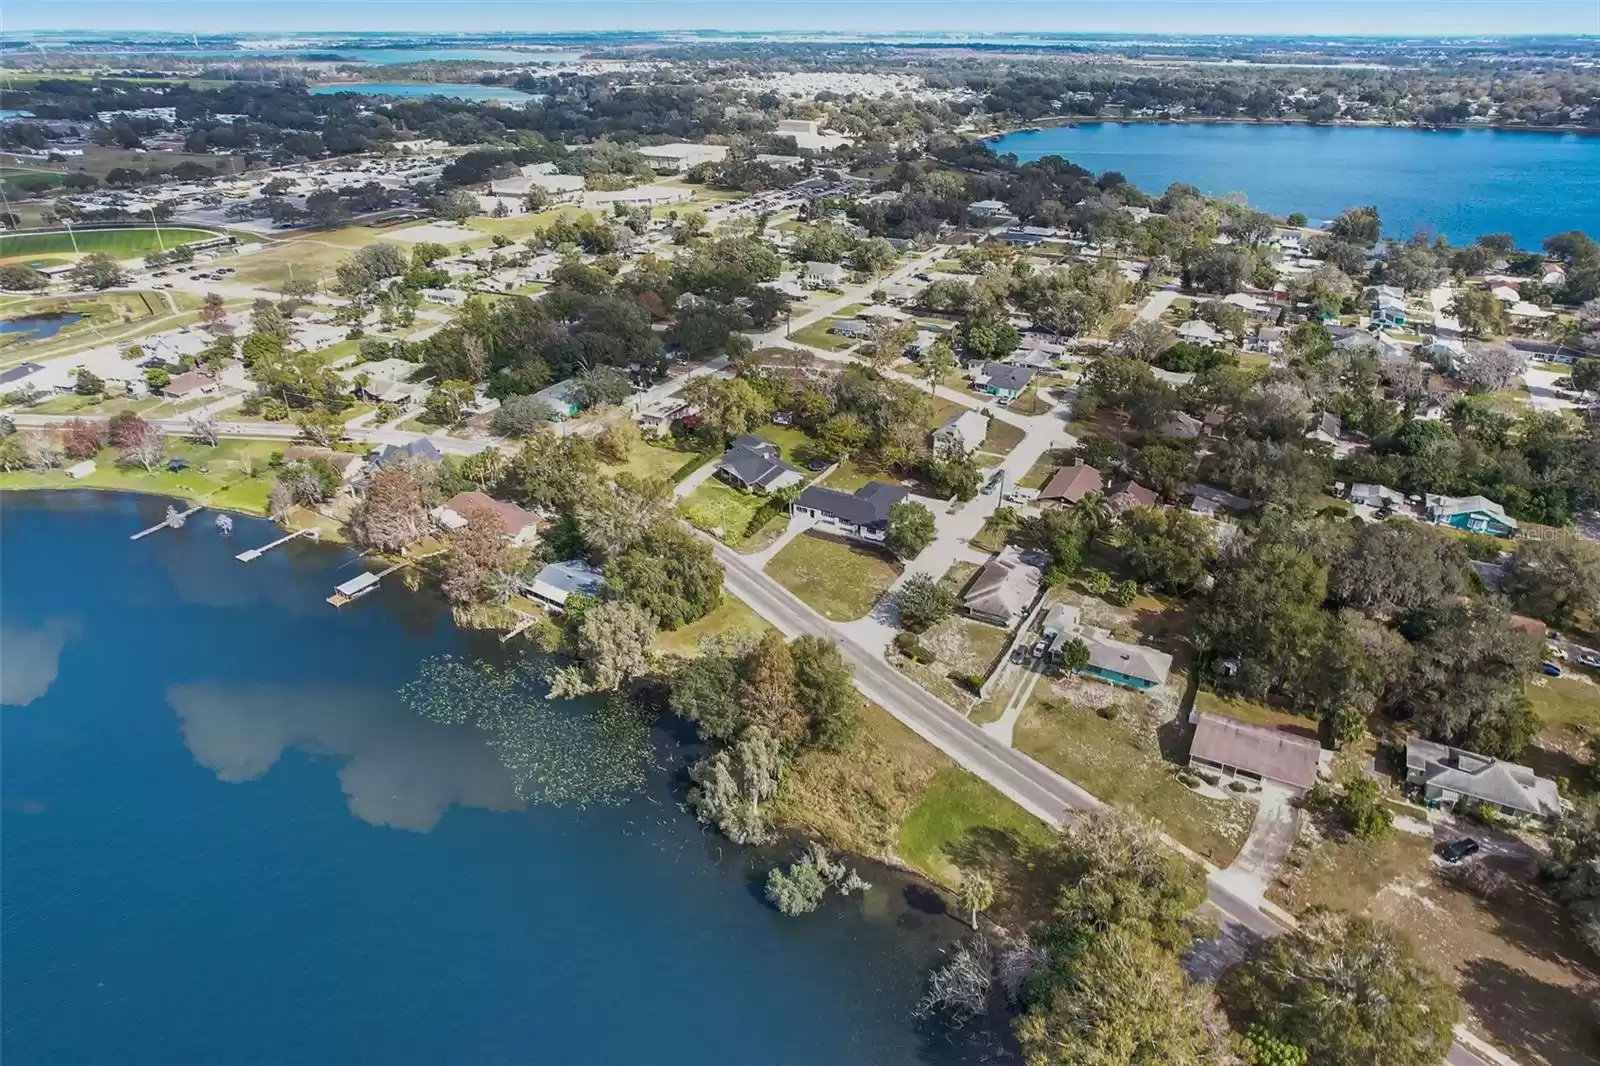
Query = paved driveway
x=1267 y=846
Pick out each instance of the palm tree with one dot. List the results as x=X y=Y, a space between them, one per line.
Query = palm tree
x=1092 y=515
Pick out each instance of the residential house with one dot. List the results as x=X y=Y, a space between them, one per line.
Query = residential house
x=1326 y=428
x=830 y=275
x=562 y=398
x=1211 y=501
x=860 y=515
x=348 y=465
x=962 y=434
x=1448 y=775
x=1227 y=746
x=1176 y=378
x=1250 y=304
x=18 y=372
x=1072 y=483
x=1389 y=312
x=753 y=464
x=1027 y=236
x=555 y=583
x=1376 y=496
x=1182 y=425
x=421 y=448
x=1130 y=494
x=1113 y=661
x=1199 y=331
x=656 y=418
x=79 y=471
x=1268 y=340
x=1004 y=589
x=1505 y=293
x=189 y=385
x=520 y=527
x=986 y=209
x=1006 y=382
x=851 y=329
x=1475 y=514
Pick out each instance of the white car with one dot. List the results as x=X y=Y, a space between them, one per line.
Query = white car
x=1590 y=659
x=1556 y=651
x=1020 y=495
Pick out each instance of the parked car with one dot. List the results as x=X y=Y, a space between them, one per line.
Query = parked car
x=1590 y=659
x=1556 y=651
x=1039 y=648
x=1457 y=850
x=1018 y=654
x=1549 y=669
x=1020 y=495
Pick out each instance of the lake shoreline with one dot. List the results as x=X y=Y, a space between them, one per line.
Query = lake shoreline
x=1044 y=125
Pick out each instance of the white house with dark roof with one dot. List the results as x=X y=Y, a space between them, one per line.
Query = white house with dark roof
x=1447 y=775
x=825 y=273
x=860 y=515
x=753 y=464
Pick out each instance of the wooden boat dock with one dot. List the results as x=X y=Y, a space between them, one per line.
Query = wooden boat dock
x=256 y=553
x=360 y=585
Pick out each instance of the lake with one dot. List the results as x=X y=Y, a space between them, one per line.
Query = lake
x=414 y=89
x=226 y=840
x=38 y=327
x=1460 y=183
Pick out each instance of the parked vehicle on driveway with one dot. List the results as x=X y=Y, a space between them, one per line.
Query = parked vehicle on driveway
x=1457 y=850
x=1039 y=648
x=1590 y=659
x=1549 y=669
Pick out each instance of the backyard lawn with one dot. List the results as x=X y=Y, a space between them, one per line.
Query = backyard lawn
x=722 y=511
x=842 y=581
x=793 y=444
x=650 y=460
x=817 y=336
x=1120 y=762
x=1043 y=467
x=732 y=617
x=224 y=483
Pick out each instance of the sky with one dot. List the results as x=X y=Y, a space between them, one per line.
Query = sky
x=1433 y=18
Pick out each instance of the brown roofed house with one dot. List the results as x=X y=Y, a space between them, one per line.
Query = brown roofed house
x=189 y=384
x=1131 y=494
x=1072 y=483
x=519 y=525
x=1228 y=746
x=348 y=465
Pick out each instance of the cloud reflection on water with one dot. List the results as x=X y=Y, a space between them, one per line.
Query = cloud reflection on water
x=400 y=771
x=30 y=659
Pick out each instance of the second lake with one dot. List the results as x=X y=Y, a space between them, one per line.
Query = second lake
x=1461 y=183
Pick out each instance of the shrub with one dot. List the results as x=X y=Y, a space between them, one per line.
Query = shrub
x=797 y=892
x=274 y=410
x=1109 y=712
x=1098 y=582
x=908 y=645
x=1210 y=778
x=1124 y=593
x=973 y=683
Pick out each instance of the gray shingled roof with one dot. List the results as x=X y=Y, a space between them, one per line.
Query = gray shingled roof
x=1480 y=777
x=1274 y=755
x=1010 y=378
x=867 y=506
x=754 y=461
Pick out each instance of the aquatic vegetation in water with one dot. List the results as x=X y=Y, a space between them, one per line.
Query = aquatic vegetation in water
x=559 y=753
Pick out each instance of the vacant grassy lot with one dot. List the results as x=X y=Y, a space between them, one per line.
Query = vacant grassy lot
x=962 y=823
x=722 y=511
x=226 y=482
x=1121 y=762
x=122 y=243
x=817 y=336
x=841 y=581
x=732 y=617
x=1569 y=711
x=650 y=460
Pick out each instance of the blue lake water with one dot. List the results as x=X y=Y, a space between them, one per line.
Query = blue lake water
x=413 y=89
x=225 y=840
x=1460 y=183
x=39 y=326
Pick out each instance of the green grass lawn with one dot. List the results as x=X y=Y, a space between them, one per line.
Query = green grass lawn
x=962 y=823
x=792 y=443
x=817 y=336
x=1117 y=765
x=224 y=483
x=123 y=243
x=854 y=473
x=716 y=506
x=1002 y=437
x=650 y=460
x=72 y=404
x=1044 y=467
x=839 y=580
x=732 y=617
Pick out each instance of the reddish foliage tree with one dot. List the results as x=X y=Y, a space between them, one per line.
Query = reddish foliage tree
x=83 y=438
